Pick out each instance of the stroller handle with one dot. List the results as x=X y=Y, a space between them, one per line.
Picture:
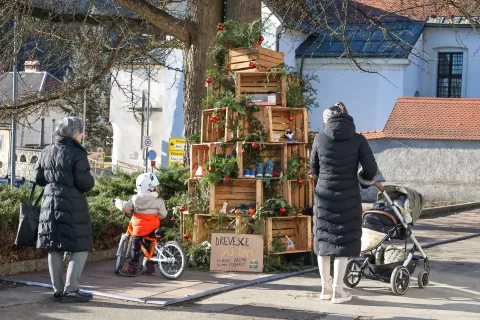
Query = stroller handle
x=378 y=184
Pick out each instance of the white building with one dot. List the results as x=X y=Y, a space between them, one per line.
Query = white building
x=35 y=130
x=412 y=69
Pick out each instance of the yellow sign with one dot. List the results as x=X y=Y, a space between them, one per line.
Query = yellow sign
x=175 y=157
x=175 y=151
x=176 y=144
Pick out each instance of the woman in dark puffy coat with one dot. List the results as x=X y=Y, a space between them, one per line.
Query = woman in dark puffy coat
x=64 y=171
x=336 y=155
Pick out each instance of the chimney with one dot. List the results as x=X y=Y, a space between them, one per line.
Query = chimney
x=32 y=66
x=53 y=132
x=42 y=133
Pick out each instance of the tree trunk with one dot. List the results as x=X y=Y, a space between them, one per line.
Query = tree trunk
x=206 y=15
x=245 y=11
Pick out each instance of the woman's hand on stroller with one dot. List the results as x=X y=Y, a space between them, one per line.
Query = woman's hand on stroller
x=378 y=184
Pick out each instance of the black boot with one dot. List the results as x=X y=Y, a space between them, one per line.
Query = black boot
x=76 y=296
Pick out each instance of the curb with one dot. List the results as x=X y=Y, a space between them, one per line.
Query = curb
x=446 y=209
x=42 y=264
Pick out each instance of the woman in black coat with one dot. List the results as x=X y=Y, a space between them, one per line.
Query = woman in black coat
x=64 y=171
x=336 y=155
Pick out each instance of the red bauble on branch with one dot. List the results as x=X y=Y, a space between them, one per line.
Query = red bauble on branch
x=255 y=145
x=183 y=209
x=290 y=118
x=220 y=27
x=244 y=151
x=299 y=180
x=261 y=38
x=227 y=68
x=209 y=80
x=173 y=219
x=187 y=236
x=252 y=64
x=226 y=179
x=211 y=170
x=283 y=210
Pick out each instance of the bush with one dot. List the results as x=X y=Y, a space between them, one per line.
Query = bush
x=199 y=256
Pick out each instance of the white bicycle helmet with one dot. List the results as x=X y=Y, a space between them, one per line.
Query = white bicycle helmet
x=146 y=182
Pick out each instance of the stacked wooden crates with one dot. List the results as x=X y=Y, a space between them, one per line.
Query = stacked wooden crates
x=276 y=117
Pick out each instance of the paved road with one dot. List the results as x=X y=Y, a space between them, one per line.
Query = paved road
x=454 y=293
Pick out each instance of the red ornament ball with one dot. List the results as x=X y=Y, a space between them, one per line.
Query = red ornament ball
x=252 y=64
x=261 y=38
x=220 y=27
x=256 y=43
x=260 y=148
x=211 y=170
x=290 y=118
x=183 y=209
x=186 y=236
x=255 y=145
x=283 y=210
x=226 y=179
x=227 y=68
x=225 y=44
x=173 y=219
x=209 y=80
x=299 y=180
x=244 y=151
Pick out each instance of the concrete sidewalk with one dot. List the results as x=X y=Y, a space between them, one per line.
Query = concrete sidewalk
x=454 y=293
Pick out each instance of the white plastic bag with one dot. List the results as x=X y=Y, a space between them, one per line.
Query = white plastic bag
x=289 y=246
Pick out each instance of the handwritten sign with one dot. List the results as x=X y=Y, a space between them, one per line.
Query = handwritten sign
x=236 y=252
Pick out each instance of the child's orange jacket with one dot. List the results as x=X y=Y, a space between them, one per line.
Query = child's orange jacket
x=147 y=209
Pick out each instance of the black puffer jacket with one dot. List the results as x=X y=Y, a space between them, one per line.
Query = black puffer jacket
x=64 y=171
x=335 y=158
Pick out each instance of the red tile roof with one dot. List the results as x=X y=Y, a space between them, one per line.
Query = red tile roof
x=418 y=9
x=432 y=119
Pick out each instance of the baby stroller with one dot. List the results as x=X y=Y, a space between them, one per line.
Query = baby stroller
x=390 y=218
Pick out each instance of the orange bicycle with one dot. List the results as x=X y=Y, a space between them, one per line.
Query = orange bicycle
x=169 y=255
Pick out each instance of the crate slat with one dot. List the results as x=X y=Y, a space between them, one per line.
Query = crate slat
x=264 y=59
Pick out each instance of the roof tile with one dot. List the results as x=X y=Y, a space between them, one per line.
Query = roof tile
x=432 y=119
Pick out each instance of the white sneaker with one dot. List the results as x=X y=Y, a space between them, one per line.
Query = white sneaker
x=326 y=290
x=341 y=295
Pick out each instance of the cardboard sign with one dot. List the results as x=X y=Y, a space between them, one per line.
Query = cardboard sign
x=236 y=252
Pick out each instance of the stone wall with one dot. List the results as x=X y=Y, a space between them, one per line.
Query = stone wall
x=26 y=160
x=440 y=170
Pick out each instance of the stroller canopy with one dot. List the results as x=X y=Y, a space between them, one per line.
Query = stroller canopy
x=413 y=204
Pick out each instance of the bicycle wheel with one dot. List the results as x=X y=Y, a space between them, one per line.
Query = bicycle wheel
x=172 y=260
x=122 y=253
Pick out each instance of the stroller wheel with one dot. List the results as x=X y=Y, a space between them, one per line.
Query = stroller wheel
x=400 y=280
x=353 y=274
x=423 y=279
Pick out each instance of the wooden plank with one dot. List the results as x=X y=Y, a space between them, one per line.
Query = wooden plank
x=268 y=236
x=284 y=92
x=272 y=53
x=259 y=194
x=212 y=198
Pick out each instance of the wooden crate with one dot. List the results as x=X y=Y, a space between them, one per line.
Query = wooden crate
x=297 y=228
x=206 y=224
x=245 y=122
x=270 y=151
x=250 y=83
x=300 y=196
x=236 y=192
x=201 y=153
x=264 y=59
x=219 y=131
x=302 y=153
x=278 y=122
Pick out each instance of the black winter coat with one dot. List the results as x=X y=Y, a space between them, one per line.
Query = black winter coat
x=335 y=159
x=64 y=171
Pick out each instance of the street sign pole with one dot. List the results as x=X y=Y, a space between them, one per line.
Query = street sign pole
x=13 y=147
x=148 y=119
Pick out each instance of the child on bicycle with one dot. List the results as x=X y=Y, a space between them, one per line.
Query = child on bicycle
x=148 y=209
